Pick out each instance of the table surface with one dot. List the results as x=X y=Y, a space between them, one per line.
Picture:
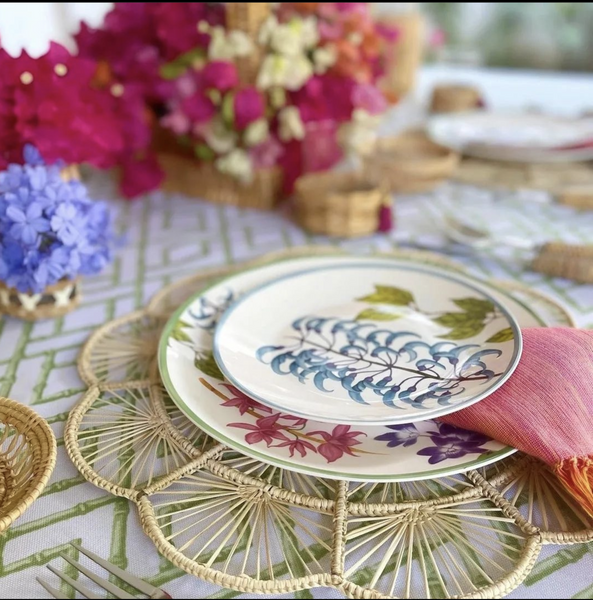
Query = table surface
x=170 y=237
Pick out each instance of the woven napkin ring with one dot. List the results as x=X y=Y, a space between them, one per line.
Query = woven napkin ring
x=565 y=260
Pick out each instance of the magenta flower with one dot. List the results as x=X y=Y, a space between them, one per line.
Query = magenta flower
x=242 y=402
x=266 y=154
x=300 y=446
x=198 y=108
x=369 y=98
x=249 y=107
x=266 y=429
x=220 y=75
x=338 y=442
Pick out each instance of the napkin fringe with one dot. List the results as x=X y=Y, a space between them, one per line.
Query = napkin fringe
x=576 y=474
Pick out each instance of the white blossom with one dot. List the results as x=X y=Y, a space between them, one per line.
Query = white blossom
x=256 y=132
x=273 y=72
x=219 y=137
x=299 y=70
x=324 y=58
x=236 y=163
x=291 y=124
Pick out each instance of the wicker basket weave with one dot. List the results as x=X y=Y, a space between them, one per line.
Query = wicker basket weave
x=410 y=163
x=339 y=204
x=27 y=459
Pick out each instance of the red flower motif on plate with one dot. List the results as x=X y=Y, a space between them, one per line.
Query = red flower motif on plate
x=338 y=442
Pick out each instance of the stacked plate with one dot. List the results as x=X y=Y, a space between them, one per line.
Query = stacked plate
x=515 y=137
x=338 y=366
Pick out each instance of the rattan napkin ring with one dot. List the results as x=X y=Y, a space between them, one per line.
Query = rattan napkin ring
x=411 y=163
x=455 y=98
x=344 y=204
x=27 y=459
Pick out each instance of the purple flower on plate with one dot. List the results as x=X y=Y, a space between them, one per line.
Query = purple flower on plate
x=400 y=435
x=453 y=442
x=28 y=223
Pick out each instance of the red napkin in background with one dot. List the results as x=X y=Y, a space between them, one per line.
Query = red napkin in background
x=545 y=409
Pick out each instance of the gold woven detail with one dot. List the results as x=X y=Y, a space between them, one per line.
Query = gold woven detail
x=559 y=179
x=454 y=98
x=340 y=204
x=27 y=459
x=184 y=175
x=242 y=524
x=55 y=301
x=248 y=17
x=564 y=260
x=578 y=196
x=410 y=163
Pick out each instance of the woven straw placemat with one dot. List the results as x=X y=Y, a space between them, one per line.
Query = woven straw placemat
x=242 y=524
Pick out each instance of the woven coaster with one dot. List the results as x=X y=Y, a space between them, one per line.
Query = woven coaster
x=242 y=524
x=572 y=183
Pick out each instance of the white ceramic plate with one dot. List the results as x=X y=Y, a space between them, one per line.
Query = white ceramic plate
x=514 y=137
x=396 y=453
x=367 y=344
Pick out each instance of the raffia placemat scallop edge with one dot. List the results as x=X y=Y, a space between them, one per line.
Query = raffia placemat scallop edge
x=241 y=524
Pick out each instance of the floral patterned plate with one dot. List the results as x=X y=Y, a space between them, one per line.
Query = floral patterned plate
x=367 y=344
x=398 y=453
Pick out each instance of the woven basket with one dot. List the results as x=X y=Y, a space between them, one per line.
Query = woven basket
x=338 y=204
x=455 y=98
x=55 y=301
x=202 y=180
x=410 y=163
x=27 y=459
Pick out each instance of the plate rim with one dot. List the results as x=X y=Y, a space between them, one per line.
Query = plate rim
x=422 y=416
x=505 y=452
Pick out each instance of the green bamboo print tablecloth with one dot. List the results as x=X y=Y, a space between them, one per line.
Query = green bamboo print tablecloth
x=168 y=238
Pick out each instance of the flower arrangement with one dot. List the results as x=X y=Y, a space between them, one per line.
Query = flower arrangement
x=57 y=103
x=314 y=91
x=51 y=233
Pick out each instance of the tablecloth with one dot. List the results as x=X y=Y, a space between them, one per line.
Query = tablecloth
x=169 y=237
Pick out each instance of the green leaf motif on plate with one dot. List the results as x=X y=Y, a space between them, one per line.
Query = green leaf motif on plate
x=386 y=294
x=371 y=314
x=475 y=307
x=467 y=329
x=504 y=335
x=455 y=320
x=208 y=366
x=178 y=332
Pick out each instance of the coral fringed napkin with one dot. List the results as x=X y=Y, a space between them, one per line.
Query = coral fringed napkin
x=545 y=409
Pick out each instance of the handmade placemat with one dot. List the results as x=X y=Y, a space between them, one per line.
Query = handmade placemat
x=242 y=524
x=571 y=183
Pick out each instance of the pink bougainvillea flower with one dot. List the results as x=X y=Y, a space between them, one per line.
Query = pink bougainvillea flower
x=266 y=154
x=298 y=445
x=266 y=429
x=242 y=402
x=140 y=175
x=249 y=106
x=199 y=108
x=368 y=97
x=321 y=149
x=338 y=442
x=177 y=121
x=220 y=75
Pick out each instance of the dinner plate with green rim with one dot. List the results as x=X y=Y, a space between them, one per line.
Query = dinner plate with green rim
x=367 y=344
x=340 y=451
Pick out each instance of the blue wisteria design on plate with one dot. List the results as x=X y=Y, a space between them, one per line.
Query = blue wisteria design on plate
x=447 y=441
x=367 y=360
